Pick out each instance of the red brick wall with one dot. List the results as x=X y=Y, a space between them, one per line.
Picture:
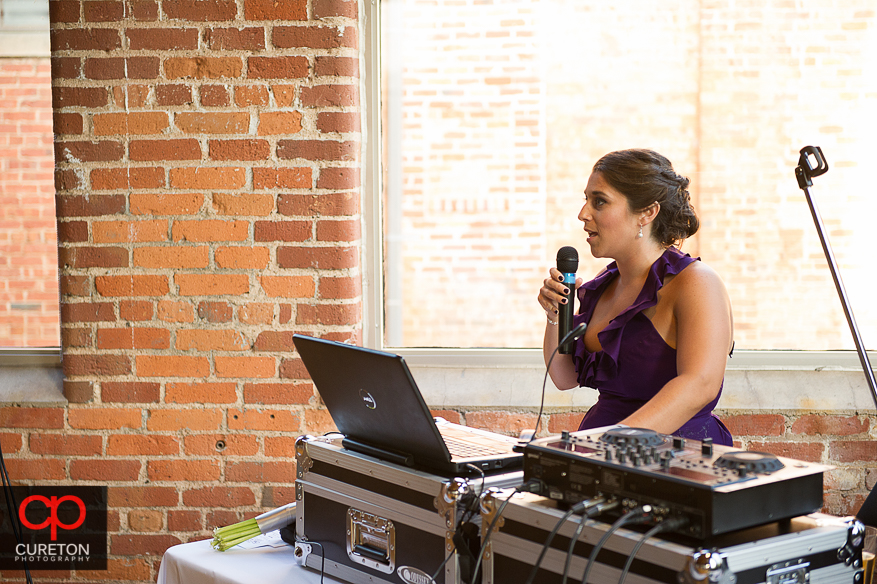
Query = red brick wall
x=207 y=175
x=28 y=268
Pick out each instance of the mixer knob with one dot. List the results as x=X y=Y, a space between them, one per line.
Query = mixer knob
x=564 y=435
x=706 y=447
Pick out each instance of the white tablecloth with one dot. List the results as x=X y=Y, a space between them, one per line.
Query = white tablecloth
x=198 y=563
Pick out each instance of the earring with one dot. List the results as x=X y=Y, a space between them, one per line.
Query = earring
x=640 y=234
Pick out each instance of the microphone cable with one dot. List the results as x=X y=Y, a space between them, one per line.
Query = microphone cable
x=633 y=517
x=592 y=512
x=570 y=336
x=667 y=525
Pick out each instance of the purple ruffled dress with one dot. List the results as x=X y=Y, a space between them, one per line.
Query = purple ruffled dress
x=635 y=362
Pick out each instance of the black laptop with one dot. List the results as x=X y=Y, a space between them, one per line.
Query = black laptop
x=376 y=405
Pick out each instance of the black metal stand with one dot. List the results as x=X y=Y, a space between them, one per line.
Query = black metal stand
x=804 y=172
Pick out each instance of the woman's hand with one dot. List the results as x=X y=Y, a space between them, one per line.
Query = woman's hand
x=553 y=293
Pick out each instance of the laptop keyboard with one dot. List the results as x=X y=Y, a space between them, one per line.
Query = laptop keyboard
x=463 y=449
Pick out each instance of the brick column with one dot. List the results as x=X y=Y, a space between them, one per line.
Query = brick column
x=207 y=171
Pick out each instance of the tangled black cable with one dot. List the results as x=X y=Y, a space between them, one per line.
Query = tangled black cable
x=572 y=510
x=470 y=511
x=638 y=515
x=668 y=525
x=600 y=507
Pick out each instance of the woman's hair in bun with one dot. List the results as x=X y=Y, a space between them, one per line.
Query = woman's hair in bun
x=646 y=177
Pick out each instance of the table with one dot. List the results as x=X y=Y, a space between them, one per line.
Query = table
x=198 y=563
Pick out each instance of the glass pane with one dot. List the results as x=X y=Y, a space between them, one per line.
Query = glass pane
x=28 y=241
x=24 y=14
x=496 y=110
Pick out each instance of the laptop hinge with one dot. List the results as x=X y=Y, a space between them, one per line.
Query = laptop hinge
x=388 y=455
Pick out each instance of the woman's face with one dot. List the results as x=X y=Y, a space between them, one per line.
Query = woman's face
x=610 y=224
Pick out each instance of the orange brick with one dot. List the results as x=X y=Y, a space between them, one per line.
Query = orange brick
x=212 y=285
x=12 y=443
x=131 y=285
x=318 y=421
x=42 y=469
x=282 y=178
x=141 y=545
x=183 y=470
x=280 y=447
x=166 y=203
x=260 y=472
x=64 y=444
x=221 y=444
x=245 y=95
x=267 y=420
x=211 y=340
x=43 y=418
x=288 y=286
x=213 y=122
x=147 y=520
x=814 y=425
x=171 y=257
x=243 y=205
x=202 y=67
x=256 y=313
x=209 y=393
x=133 y=338
x=142 y=445
x=210 y=230
x=509 y=423
x=136 y=310
x=219 y=497
x=207 y=178
x=569 y=421
x=104 y=470
x=105 y=418
x=203 y=419
x=169 y=311
x=284 y=95
x=142 y=497
x=272 y=123
x=263 y=367
x=126 y=124
x=171 y=366
x=128 y=231
x=242 y=258
x=278 y=393
x=756 y=425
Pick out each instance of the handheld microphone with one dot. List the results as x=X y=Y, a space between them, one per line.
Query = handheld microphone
x=570 y=336
x=567 y=264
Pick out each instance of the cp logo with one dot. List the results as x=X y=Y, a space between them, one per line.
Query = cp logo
x=52 y=504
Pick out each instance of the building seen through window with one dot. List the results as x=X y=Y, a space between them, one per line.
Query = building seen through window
x=28 y=242
x=494 y=112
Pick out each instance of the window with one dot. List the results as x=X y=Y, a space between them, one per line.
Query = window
x=28 y=242
x=494 y=111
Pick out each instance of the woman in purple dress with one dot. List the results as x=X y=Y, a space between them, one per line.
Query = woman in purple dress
x=659 y=321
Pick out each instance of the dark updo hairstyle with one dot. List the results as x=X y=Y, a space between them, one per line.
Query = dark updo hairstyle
x=645 y=177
